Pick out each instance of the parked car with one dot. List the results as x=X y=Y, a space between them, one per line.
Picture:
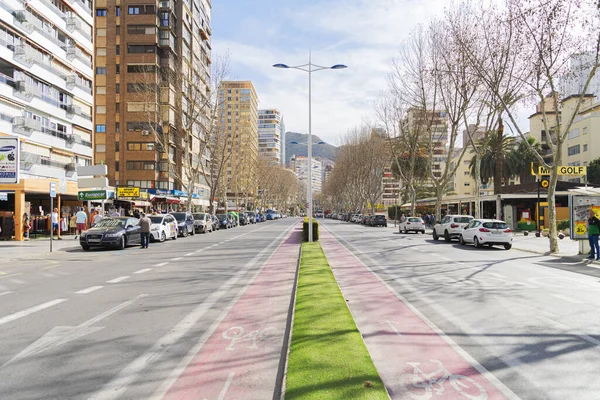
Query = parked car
x=243 y=219
x=412 y=224
x=116 y=232
x=224 y=221
x=233 y=220
x=202 y=223
x=263 y=217
x=379 y=220
x=251 y=217
x=490 y=232
x=215 y=222
x=450 y=227
x=185 y=223
x=164 y=226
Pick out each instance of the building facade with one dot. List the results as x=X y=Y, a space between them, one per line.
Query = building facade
x=148 y=56
x=300 y=167
x=430 y=124
x=238 y=116
x=270 y=135
x=46 y=86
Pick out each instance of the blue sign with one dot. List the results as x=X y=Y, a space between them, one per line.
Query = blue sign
x=52 y=189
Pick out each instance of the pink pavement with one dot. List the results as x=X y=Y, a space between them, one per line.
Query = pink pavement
x=413 y=360
x=241 y=359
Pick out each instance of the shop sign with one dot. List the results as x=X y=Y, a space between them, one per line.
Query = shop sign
x=3 y=196
x=579 y=207
x=91 y=195
x=564 y=170
x=9 y=160
x=128 y=192
x=144 y=195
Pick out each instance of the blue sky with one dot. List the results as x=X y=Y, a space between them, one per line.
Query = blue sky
x=363 y=34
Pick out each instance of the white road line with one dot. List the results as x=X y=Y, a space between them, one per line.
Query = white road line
x=3 y=293
x=567 y=298
x=141 y=271
x=176 y=259
x=391 y=324
x=31 y=310
x=226 y=387
x=160 y=264
x=117 y=280
x=89 y=290
x=118 y=385
x=189 y=254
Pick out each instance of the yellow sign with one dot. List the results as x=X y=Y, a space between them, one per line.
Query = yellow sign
x=144 y=196
x=565 y=170
x=545 y=183
x=580 y=228
x=128 y=192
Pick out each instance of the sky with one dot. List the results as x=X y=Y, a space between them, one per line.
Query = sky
x=365 y=35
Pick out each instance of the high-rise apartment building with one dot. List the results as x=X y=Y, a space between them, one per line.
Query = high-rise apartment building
x=148 y=55
x=430 y=124
x=269 y=135
x=238 y=116
x=46 y=83
x=300 y=165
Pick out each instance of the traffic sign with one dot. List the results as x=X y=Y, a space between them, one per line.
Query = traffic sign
x=52 y=189
x=92 y=170
x=91 y=195
x=92 y=182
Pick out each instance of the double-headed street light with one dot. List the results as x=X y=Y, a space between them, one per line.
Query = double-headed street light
x=310 y=68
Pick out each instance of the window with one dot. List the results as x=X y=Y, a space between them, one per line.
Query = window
x=100 y=12
x=585 y=130
x=100 y=70
x=141 y=29
x=573 y=134
x=117 y=165
x=100 y=109
x=140 y=146
x=574 y=150
x=118 y=11
x=118 y=69
x=101 y=128
x=467 y=184
x=100 y=89
x=140 y=49
x=117 y=127
x=140 y=68
x=585 y=147
x=467 y=173
x=117 y=107
x=141 y=9
x=116 y=146
x=100 y=148
x=133 y=10
x=141 y=165
x=118 y=88
x=141 y=87
x=118 y=29
x=118 y=50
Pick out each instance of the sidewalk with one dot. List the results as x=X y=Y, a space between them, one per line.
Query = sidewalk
x=541 y=245
x=12 y=249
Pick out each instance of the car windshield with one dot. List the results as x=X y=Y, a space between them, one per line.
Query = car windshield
x=180 y=217
x=156 y=219
x=380 y=217
x=414 y=219
x=221 y=216
x=495 y=225
x=111 y=223
x=199 y=216
x=462 y=220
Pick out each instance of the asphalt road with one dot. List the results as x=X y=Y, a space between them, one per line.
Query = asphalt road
x=116 y=324
x=533 y=325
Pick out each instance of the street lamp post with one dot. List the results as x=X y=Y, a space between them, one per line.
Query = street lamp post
x=310 y=68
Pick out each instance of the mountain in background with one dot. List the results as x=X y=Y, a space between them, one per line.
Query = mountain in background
x=326 y=150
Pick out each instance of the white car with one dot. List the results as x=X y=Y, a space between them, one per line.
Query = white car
x=412 y=224
x=163 y=226
x=450 y=227
x=491 y=232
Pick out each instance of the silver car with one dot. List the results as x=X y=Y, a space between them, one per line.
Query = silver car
x=450 y=227
x=412 y=224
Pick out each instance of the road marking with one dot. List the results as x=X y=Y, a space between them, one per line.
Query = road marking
x=52 y=266
x=2 y=294
x=566 y=298
x=141 y=271
x=189 y=254
x=31 y=310
x=160 y=264
x=391 y=324
x=8 y=276
x=117 y=280
x=118 y=385
x=226 y=387
x=60 y=335
x=89 y=290
x=176 y=259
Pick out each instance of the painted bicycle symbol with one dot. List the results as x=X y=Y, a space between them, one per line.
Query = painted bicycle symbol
x=422 y=386
x=237 y=335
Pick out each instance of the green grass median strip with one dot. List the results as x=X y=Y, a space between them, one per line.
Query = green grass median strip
x=328 y=358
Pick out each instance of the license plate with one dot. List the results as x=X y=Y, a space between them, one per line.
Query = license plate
x=93 y=240
x=497 y=233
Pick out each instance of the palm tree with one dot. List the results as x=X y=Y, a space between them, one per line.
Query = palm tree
x=522 y=157
x=490 y=145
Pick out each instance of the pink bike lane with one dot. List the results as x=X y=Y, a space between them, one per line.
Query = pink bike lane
x=242 y=358
x=413 y=357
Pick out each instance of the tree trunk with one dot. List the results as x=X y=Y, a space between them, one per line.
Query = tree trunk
x=551 y=223
x=498 y=172
x=439 y=191
x=477 y=185
x=413 y=199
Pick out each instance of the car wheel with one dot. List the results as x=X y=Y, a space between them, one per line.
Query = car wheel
x=435 y=235
x=163 y=236
x=184 y=232
x=446 y=236
x=85 y=247
x=423 y=232
x=508 y=246
x=461 y=240
x=122 y=243
x=476 y=242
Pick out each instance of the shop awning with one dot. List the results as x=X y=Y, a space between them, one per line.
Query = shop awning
x=142 y=203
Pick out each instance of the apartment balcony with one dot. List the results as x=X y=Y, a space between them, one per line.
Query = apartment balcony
x=74 y=81
x=82 y=4
x=26 y=91
x=74 y=24
x=26 y=125
x=21 y=20
x=169 y=42
x=166 y=4
x=56 y=10
x=73 y=52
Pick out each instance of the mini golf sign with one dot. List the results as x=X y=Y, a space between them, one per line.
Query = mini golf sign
x=91 y=195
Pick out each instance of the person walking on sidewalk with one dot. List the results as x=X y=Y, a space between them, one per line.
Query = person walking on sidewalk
x=145 y=224
x=593 y=232
x=81 y=222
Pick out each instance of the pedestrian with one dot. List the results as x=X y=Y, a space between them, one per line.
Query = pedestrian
x=593 y=232
x=136 y=213
x=115 y=213
x=145 y=224
x=97 y=217
x=402 y=218
x=81 y=219
x=54 y=218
